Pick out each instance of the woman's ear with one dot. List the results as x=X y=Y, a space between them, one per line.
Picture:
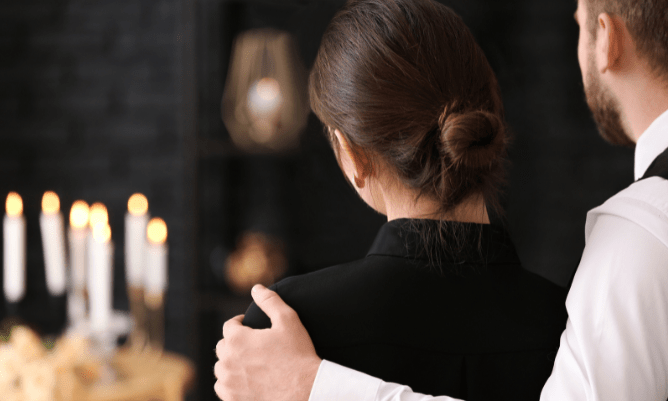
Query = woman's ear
x=361 y=167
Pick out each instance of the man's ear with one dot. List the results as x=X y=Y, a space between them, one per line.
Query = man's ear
x=360 y=162
x=609 y=42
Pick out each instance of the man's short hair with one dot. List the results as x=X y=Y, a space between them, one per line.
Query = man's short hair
x=646 y=20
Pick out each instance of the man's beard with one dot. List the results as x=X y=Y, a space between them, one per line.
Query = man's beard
x=605 y=110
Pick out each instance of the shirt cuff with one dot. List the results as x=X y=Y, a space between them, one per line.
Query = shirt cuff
x=334 y=382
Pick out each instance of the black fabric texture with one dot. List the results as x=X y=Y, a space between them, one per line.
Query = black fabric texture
x=477 y=326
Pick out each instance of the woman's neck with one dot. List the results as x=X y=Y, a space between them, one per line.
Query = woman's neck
x=401 y=203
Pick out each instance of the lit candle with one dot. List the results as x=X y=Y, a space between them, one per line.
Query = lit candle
x=100 y=278
x=155 y=281
x=135 y=252
x=97 y=215
x=77 y=235
x=14 y=235
x=53 y=243
x=135 y=239
x=98 y=267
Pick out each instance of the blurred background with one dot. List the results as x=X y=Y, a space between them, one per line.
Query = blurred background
x=99 y=100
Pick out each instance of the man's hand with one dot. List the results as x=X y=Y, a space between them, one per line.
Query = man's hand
x=271 y=364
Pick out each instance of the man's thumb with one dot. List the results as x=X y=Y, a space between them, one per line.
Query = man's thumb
x=271 y=304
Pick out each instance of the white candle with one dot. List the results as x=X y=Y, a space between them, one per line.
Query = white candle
x=14 y=236
x=156 y=258
x=100 y=278
x=53 y=243
x=135 y=239
x=78 y=232
x=97 y=215
x=77 y=235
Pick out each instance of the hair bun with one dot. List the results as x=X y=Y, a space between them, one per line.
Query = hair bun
x=473 y=139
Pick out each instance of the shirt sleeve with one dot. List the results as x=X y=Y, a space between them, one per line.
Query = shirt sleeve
x=338 y=383
x=615 y=346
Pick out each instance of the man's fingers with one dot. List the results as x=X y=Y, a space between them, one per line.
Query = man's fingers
x=220 y=391
x=232 y=326
x=218 y=370
x=271 y=304
x=219 y=348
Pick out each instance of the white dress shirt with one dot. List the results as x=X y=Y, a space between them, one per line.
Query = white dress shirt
x=615 y=346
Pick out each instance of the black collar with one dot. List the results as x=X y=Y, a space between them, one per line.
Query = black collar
x=463 y=243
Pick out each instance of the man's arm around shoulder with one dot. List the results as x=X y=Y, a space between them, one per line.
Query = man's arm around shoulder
x=615 y=346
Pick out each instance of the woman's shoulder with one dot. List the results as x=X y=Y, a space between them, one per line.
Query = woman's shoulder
x=363 y=301
x=321 y=291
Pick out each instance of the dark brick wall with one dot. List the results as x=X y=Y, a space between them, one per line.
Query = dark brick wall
x=90 y=107
x=561 y=168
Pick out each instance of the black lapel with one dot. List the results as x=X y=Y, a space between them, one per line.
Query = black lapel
x=659 y=167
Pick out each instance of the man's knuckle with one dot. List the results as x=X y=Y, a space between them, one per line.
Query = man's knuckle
x=220 y=391
x=291 y=318
x=232 y=343
x=220 y=348
x=218 y=370
x=224 y=392
x=227 y=364
x=228 y=383
x=285 y=316
x=271 y=296
x=226 y=328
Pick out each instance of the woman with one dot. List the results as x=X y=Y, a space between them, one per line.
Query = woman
x=415 y=118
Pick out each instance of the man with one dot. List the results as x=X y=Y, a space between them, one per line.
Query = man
x=615 y=346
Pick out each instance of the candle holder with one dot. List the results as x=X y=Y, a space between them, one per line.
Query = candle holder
x=103 y=348
x=139 y=335
x=136 y=220
x=76 y=307
x=155 y=319
x=155 y=283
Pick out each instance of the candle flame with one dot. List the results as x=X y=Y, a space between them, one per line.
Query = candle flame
x=50 y=203
x=102 y=232
x=79 y=214
x=98 y=215
x=137 y=205
x=156 y=231
x=14 y=204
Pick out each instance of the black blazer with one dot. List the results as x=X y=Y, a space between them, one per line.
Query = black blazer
x=477 y=326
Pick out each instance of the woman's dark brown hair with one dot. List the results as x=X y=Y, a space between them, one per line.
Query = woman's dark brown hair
x=405 y=82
